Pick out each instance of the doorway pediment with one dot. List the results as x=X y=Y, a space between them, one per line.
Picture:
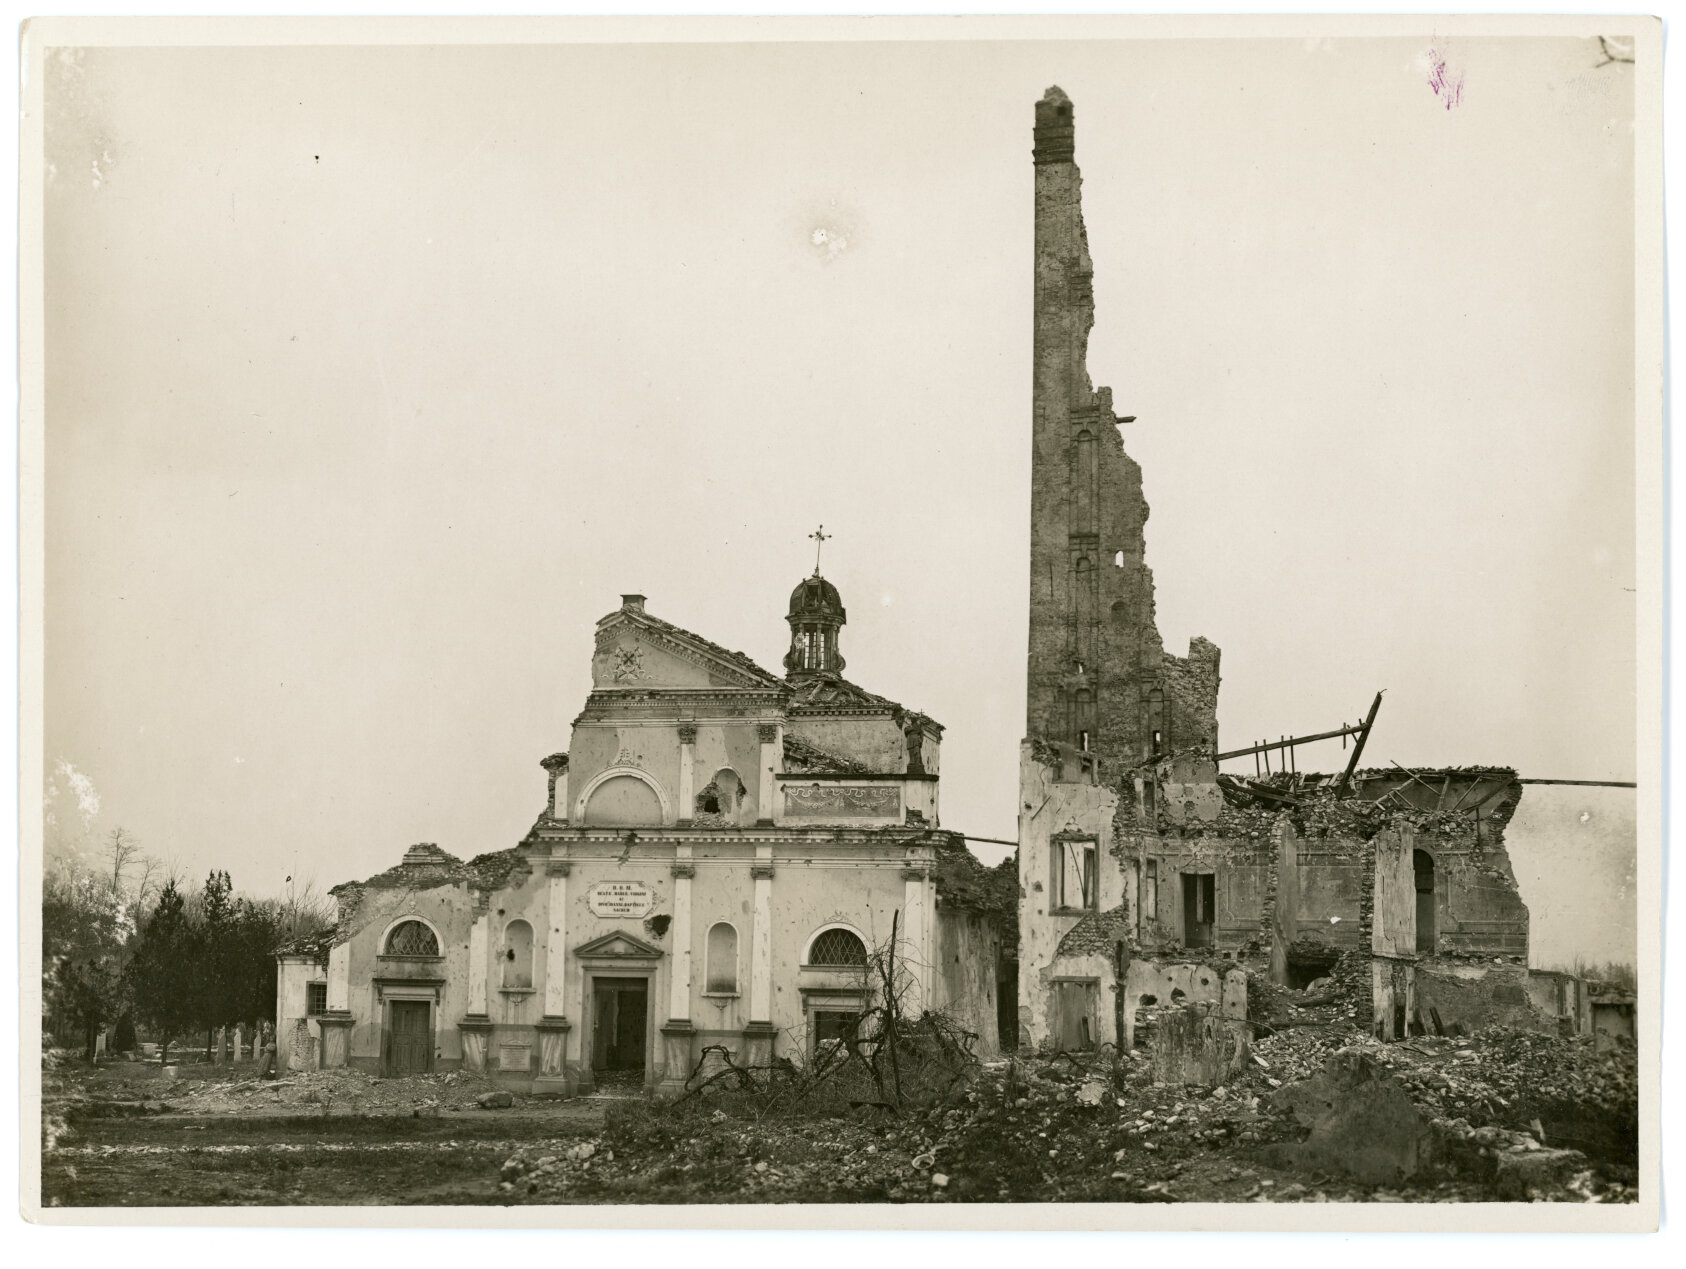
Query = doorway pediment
x=617 y=946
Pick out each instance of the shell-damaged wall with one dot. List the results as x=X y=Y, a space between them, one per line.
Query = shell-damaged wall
x=1061 y=806
x=1097 y=676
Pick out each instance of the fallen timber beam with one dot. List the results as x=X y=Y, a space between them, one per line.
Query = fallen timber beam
x=1352 y=764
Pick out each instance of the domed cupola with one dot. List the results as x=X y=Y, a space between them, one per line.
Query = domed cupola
x=816 y=614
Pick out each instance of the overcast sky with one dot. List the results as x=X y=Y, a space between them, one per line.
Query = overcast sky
x=376 y=375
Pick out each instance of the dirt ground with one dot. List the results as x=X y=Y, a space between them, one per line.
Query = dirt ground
x=1558 y=1114
x=122 y=1135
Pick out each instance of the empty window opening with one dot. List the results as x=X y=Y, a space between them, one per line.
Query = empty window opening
x=837 y=948
x=1076 y=887
x=1083 y=716
x=834 y=1029
x=1118 y=560
x=1199 y=905
x=1422 y=864
x=723 y=959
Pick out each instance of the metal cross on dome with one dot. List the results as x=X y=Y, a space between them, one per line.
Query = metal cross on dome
x=820 y=537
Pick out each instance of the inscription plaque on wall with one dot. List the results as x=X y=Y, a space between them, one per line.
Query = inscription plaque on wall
x=843 y=801
x=621 y=899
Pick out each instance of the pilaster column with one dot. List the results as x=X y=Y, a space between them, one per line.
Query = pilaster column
x=759 y=1034
x=913 y=957
x=556 y=768
x=556 y=942
x=678 y=1035
x=339 y=978
x=761 y=955
x=478 y=941
x=679 y=985
x=687 y=771
x=771 y=759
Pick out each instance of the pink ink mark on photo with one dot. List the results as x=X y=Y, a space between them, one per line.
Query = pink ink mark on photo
x=1446 y=81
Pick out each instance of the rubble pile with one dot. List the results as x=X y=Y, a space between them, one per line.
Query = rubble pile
x=1099 y=1128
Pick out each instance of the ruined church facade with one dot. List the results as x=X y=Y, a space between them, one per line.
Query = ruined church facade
x=1145 y=876
x=725 y=861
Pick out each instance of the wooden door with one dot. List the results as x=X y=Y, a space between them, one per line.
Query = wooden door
x=409 y=1046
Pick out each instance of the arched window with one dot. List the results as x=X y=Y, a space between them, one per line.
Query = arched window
x=412 y=938
x=837 y=948
x=722 y=958
x=518 y=954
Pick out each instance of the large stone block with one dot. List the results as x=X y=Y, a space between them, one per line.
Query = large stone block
x=1197 y=1045
x=1362 y=1122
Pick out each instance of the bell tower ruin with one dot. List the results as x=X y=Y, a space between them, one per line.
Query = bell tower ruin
x=1098 y=677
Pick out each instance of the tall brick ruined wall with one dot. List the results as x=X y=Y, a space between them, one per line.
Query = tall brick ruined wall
x=1096 y=664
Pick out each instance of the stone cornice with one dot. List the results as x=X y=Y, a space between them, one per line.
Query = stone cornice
x=660 y=841
x=839 y=777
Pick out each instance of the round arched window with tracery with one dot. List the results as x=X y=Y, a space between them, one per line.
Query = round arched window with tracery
x=412 y=938
x=837 y=947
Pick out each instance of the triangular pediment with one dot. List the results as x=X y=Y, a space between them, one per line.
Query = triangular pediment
x=637 y=651
x=618 y=945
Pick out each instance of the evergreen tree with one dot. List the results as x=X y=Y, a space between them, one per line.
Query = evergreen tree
x=164 y=975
